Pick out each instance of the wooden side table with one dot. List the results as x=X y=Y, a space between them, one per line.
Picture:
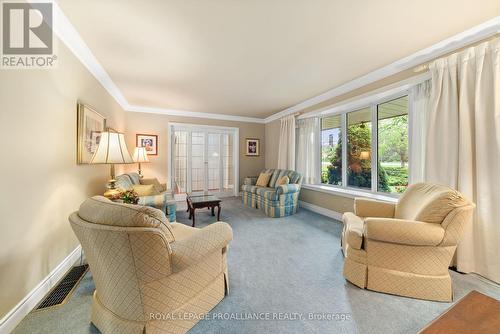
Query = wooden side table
x=202 y=200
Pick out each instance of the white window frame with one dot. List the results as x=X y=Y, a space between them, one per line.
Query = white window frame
x=370 y=101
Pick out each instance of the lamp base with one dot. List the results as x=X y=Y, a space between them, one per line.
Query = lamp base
x=112 y=192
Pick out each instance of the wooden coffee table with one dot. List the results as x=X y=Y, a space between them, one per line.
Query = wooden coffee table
x=473 y=314
x=202 y=200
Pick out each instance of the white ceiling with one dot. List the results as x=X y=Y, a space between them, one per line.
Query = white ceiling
x=257 y=57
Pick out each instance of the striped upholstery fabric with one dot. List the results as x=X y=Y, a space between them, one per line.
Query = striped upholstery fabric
x=276 y=201
x=163 y=201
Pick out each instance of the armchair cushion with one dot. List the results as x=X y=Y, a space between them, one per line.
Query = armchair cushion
x=191 y=249
x=100 y=210
x=407 y=232
x=365 y=207
x=428 y=202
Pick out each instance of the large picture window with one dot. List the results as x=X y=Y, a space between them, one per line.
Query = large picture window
x=375 y=151
x=392 y=118
x=359 y=147
x=331 y=150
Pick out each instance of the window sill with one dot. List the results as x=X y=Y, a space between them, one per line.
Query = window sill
x=351 y=193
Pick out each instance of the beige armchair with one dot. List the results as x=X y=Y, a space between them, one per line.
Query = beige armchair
x=150 y=276
x=405 y=248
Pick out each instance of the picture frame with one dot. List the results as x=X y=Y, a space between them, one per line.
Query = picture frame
x=90 y=124
x=252 y=147
x=150 y=142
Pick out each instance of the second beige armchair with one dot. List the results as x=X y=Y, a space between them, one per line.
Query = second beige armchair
x=405 y=248
x=150 y=276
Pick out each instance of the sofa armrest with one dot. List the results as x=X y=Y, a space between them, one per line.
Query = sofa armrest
x=250 y=180
x=193 y=249
x=364 y=207
x=287 y=188
x=401 y=231
x=156 y=201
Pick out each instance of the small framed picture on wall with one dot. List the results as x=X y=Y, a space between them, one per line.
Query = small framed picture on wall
x=252 y=147
x=150 y=142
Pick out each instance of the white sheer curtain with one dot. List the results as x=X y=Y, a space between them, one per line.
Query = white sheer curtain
x=418 y=115
x=463 y=147
x=308 y=147
x=286 y=152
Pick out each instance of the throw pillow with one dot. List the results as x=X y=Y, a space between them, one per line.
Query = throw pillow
x=156 y=184
x=282 y=180
x=263 y=179
x=144 y=189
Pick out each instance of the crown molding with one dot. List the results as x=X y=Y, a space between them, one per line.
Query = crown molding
x=75 y=43
x=72 y=39
x=470 y=36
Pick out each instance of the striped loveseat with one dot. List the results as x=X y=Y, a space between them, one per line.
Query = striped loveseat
x=276 y=201
x=163 y=200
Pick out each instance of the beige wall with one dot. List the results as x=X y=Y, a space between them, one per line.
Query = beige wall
x=158 y=124
x=41 y=182
x=329 y=201
x=272 y=140
x=335 y=203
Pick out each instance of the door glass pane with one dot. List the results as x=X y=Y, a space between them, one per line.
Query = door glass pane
x=359 y=136
x=227 y=162
x=180 y=161
x=197 y=161
x=392 y=118
x=213 y=161
x=331 y=150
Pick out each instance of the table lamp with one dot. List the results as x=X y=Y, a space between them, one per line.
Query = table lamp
x=140 y=155
x=111 y=150
x=364 y=155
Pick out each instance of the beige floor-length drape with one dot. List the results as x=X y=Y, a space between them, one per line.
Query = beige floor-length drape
x=463 y=147
x=308 y=150
x=286 y=148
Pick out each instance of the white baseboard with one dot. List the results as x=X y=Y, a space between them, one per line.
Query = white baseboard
x=321 y=210
x=14 y=317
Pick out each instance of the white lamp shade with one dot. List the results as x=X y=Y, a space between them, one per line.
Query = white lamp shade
x=140 y=155
x=112 y=150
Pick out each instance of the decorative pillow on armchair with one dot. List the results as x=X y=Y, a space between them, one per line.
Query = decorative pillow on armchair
x=263 y=179
x=282 y=181
x=145 y=189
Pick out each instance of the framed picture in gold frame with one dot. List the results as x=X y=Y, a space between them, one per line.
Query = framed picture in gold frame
x=90 y=124
x=252 y=147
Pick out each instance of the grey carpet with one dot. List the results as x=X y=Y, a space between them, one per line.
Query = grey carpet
x=288 y=267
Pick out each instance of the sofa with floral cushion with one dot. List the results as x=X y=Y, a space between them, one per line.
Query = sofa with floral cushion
x=151 y=193
x=276 y=191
